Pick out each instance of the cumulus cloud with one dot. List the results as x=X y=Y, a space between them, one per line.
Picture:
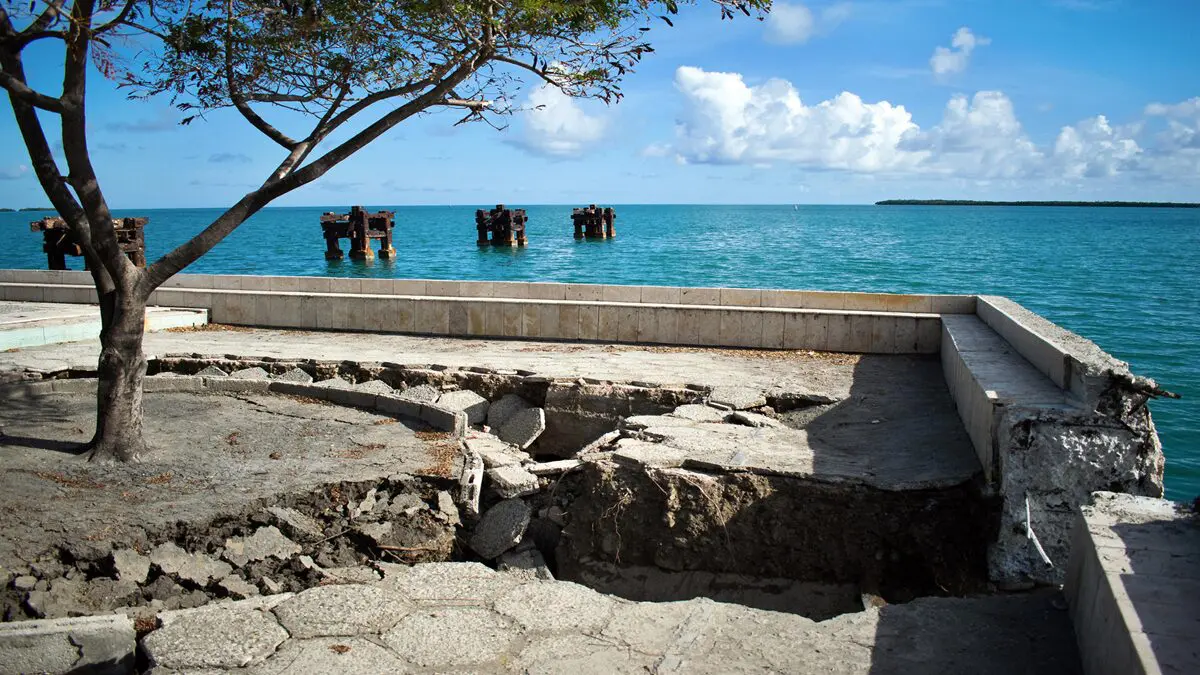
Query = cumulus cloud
x=557 y=125
x=794 y=23
x=953 y=59
x=727 y=121
x=229 y=158
x=1094 y=149
x=14 y=172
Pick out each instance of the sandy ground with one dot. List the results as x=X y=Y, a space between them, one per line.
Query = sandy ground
x=211 y=454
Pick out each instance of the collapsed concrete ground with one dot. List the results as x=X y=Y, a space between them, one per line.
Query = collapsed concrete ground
x=845 y=484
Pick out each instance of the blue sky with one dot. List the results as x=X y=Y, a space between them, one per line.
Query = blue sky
x=824 y=102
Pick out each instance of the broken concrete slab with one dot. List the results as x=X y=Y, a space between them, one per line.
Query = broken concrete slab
x=376 y=532
x=266 y=542
x=557 y=607
x=737 y=398
x=642 y=421
x=295 y=375
x=334 y=383
x=356 y=574
x=237 y=587
x=196 y=568
x=496 y=452
x=499 y=412
x=512 y=481
x=754 y=420
x=232 y=635
x=131 y=565
x=528 y=564
x=554 y=468
x=697 y=412
x=254 y=373
x=500 y=528
x=25 y=582
x=467 y=401
x=433 y=584
x=524 y=427
x=422 y=393
x=212 y=371
x=333 y=655
x=296 y=524
x=93 y=644
x=446 y=507
x=341 y=610
x=434 y=640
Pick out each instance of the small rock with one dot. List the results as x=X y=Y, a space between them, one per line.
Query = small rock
x=501 y=411
x=270 y=586
x=295 y=375
x=254 y=373
x=212 y=371
x=422 y=393
x=306 y=562
x=467 y=401
x=24 y=583
x=737 y=398
x=512 y=481
x=375 y=387
x=194 y=567
x=524 y=427
x=131 y=565
x=266 y=542
x=755 y=420
x=500 y=528
x=365 y=506
x=699 y=413
x=237 y=587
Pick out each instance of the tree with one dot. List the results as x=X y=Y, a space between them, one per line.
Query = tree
x=333 y=61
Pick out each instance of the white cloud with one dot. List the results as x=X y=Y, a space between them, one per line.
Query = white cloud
x=794 y=23
x=727 y=121
x=557 y=125
x=953 y=59
x=1094 y=149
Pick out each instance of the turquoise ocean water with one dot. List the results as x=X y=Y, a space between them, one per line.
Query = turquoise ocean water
x=1125 y=278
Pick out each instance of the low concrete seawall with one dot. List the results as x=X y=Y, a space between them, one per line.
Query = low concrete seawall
x=1051 y=416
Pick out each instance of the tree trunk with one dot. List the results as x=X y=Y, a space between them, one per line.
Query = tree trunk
x=121 y=370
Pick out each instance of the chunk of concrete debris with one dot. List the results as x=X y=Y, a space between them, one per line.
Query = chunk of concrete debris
x=296 y=524
x=196 y=568
x=422 y=393
x=270 y=586
x=554 y=468
x=254 y=373
x=379 y=533
x=470 y=482
x=334 y=383
x=266 y=542
x=24 y=582
x=500 y=528
x=365 y=506
x=524 y=427
x=696 y=412
x=295 y=375
x=237 y=587
x=212 y=371
x=737 y=398
x=407 y=504
x=446 y=506
x=467 y=401
x=528 y=564
x=131 y=565
x=512 y=481
x=86 y=644
x=501 y=411
x=496 y=452
x=755 y=420
x=375 y=387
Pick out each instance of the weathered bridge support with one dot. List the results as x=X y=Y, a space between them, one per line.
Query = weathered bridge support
x=594 y=222
x=506 y=226
x=59 y=241
x=360 y=227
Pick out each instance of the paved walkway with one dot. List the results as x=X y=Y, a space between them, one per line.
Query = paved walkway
x=464 y=617
x=30 y=324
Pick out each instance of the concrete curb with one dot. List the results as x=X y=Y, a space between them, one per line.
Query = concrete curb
x=91 y=644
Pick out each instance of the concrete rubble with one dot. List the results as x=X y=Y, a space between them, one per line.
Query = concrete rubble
x=265 y=542
x=523 y=427
x=512 y=481
x=254 y=373
x=500 y=528
x=737 y=398
x=474 y=405
x=422 y=393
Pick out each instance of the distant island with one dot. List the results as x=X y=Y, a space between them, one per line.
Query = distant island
x=36 y=208
x=972 y=202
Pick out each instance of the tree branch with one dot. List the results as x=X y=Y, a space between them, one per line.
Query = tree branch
x=239 y=102
x=16 y=87
x=118 y=20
